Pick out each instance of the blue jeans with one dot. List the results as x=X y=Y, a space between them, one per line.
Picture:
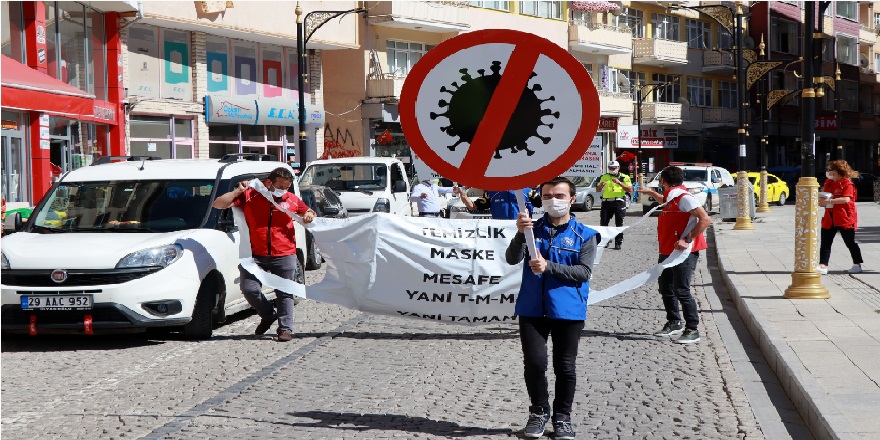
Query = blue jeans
x=251 y=288
x=675 y=288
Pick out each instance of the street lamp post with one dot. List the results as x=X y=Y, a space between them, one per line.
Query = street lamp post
x=763 y=206
x=805 y=280
x=305 y=28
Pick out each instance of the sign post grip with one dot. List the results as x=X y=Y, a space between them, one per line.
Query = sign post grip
x=530 y=234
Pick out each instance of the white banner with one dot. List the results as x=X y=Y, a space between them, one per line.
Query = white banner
x=591 y=164
x=450 y=271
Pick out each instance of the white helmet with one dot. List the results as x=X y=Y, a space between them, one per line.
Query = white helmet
x=613 y=164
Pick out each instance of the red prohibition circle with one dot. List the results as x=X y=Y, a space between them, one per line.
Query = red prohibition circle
x=527 y=43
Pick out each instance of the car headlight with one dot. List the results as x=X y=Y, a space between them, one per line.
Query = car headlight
x=5 y=264
x=157 y=256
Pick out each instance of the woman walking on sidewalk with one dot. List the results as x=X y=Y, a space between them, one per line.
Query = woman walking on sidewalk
x=840 y=214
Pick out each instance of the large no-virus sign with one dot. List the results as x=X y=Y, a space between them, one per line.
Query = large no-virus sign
x=499 y=109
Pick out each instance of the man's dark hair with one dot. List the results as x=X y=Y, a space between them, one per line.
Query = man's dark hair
x=280 y=173
x=672 y=175
x=556 y=181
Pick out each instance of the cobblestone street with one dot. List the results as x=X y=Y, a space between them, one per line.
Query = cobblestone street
x=353 y=375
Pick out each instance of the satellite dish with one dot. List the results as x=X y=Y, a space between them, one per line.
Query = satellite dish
x=749 y=42
x=863 y=60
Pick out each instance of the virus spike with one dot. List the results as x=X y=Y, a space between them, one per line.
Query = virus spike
x=537 y=88
x=496 y=67
x=482 y=72
x=529 y=152
x=452 y=147
x=546 y=112
x=533 y=75
x=443 y=129
x=442 y=103
x=436 y=115
x=443 y=89
x=497 y=154
x=465 y=75
x=550 y=125
x=455 y=84
x=544 y=139
x=552 y=98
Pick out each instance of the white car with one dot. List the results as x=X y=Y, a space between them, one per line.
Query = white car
x=457 y=210
x=129 y=245
x=364 y=184
x=701 y=179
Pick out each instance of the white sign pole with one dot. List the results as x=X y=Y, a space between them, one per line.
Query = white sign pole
x=530 y=234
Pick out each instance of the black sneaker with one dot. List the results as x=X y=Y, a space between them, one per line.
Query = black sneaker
x=562 y=429
x=688 y=337
x=672 y=328
x=537 y=419
x=264 y=325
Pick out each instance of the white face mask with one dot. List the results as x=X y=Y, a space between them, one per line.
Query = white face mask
x=614 y=172
x=279 y=192
x=556 y=207
x=829 y=174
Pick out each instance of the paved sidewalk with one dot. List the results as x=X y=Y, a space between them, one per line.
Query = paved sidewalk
x=826 y=353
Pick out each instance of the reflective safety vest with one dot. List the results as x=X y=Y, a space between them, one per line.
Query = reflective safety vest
x=612 y=190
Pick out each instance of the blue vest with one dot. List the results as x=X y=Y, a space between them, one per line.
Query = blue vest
x=503 y=206
x=546 y=295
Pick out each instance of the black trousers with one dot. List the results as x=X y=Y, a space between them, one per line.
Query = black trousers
x=533 y=333
x=849 y=238
x=616 y=209
x=675 y=289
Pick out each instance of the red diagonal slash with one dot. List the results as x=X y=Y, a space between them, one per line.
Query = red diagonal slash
x=501 y=107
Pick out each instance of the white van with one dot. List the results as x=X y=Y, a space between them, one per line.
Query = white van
x=132 y=244
x=701 y=179
x=365 y=184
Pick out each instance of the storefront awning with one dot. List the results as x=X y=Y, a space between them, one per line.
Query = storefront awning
x=26 y=89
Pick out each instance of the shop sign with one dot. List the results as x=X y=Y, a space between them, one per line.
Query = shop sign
x=230 y=110
x=607 y=124
x=651 y=137
x=591 y=164
x=826 y=123
x=104 y=113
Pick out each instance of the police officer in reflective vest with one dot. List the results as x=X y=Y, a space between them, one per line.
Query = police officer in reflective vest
x=613 y=185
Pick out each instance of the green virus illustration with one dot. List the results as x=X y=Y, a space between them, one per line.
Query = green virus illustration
x=468 y=103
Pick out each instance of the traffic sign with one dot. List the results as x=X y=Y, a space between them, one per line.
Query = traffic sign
x=499 y=109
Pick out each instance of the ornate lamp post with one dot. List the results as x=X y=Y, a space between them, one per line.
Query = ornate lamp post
x=305 y=28
x=763 y=206
x=805 y=280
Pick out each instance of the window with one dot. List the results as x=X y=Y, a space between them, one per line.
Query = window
x=633 y=19
x=13 y=31
x=876 y=61
x=669 y=93
x=699 y=92
x=581 y=17
x=543 y=9
x=848 y=10
x=665 y=26
x=784 y=36
x=168 y=138
x=847 y=50
x=629 y=82
x=234 y=139
x=725 y=39
x=876 y=21
x=849 y=96
x=402 y=56
x=71 y=38
x=698 y=34
x=726 y=94
x=500 y=6
x=609 y=79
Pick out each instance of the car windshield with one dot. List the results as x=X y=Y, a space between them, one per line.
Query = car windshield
x=690 y=175
x=580 y=180
x=347 y=177
x=125 y=206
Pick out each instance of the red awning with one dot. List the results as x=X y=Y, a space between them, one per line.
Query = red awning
x=24 y=88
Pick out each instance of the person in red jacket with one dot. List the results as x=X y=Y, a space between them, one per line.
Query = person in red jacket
x=273 y=245
x=840 y=214
x=680 y=212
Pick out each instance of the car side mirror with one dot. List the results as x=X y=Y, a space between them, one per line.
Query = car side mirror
x=18 y=223
x=399 y=186
x=330 y=209
x=716 y=180
x=226 y=222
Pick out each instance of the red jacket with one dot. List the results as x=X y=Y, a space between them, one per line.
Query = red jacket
x=671 y=225
x=260 y=215
x=843 y=215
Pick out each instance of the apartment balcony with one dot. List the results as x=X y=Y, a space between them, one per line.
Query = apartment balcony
x=868 y=76
x=615 y=104
x=715 y=117
x=657 y=52
x=425 y=16
x=718 y=62
x=600 y=39
x=385 y=88
x=867 y=34
x=654 y=113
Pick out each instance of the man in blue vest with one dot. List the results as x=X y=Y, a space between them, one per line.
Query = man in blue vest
x=502 y=204
x=552 y=302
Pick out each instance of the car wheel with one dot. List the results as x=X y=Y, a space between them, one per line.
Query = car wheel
x=300 y=273
x=781 y=201
x=588 y=203
x=314 y=261
x=201 y=326
x=708 y=205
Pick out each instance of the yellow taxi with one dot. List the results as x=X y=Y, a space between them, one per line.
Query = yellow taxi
x=777 y=189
